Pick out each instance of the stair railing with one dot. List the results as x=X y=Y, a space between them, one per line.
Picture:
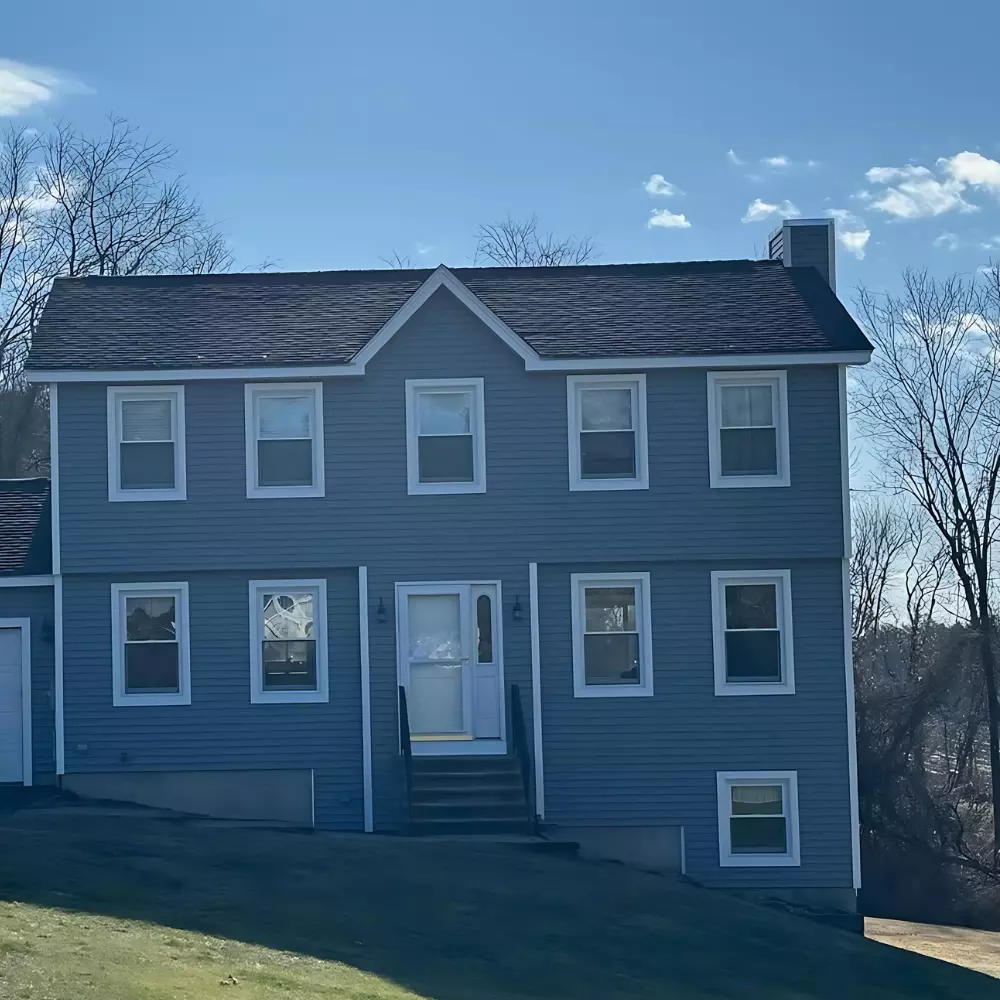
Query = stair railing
x=405 y=749
x=519 y=737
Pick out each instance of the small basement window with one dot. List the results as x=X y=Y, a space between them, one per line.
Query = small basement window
x=288 y=641
x=758 y=818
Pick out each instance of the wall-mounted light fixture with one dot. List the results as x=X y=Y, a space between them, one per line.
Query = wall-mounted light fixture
x=380 y=613
x=515 y=612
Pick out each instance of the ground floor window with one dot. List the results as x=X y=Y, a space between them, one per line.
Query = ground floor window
x=758 y=818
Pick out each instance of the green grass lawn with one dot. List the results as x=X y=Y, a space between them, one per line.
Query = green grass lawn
x=123 y=908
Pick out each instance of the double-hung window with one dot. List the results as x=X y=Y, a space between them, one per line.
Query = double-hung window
x=758 y=818
x=151 y=663
x=612 y=641
x=752 y=612
x=748 y=429
x=288 y=644
x=146 y=443
x=607 y=432
x=445 y=436
x=284 y=439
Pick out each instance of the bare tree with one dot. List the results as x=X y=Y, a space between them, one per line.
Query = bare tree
x=930 y=406
x=514 y=243
x=397 y=261
x=74 y=205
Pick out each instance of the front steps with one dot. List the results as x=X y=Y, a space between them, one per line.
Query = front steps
x=468 y=796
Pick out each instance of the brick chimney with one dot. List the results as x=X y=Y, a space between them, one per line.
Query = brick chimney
x=806 y=243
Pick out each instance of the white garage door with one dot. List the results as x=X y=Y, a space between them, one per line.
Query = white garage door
x=11 y=767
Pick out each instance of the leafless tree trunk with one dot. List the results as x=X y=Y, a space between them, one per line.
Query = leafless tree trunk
x=73 y=205
x=520 y=243
x=931 y=407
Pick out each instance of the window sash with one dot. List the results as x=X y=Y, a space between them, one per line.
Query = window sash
x=279 y=454
x=451 y=457
x=631 y=431
x=146 y=445
x=754 y=821
x=750 y=424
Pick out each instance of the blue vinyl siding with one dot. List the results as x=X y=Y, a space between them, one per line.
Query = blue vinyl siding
x=625 y=761
x=36 y=603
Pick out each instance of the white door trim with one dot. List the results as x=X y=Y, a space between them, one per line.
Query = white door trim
x=24 y=624
x=457 y=748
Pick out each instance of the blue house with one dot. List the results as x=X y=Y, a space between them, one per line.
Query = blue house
x=464 y=549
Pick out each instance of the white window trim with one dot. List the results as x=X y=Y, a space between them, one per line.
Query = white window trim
x=258 y=696
x=178 y=591
x=476 y=386
x=117 y=394
x=644 y=689
x=716 y=380
x=637 y=385
x=790 y=797
x=782 y=578
x=251 y=391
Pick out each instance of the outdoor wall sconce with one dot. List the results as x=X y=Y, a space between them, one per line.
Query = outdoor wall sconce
x=380 y=613
x=515 y=612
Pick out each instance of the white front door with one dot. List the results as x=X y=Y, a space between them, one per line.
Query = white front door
x=450 y=662
x=11 y=722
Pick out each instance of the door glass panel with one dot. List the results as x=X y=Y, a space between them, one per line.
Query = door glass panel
x=435 y=695
x=484 y=628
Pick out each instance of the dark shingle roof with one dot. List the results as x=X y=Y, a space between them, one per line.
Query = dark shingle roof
x=325 y=317
x=25 y=527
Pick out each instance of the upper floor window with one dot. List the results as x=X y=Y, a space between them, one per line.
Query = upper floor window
x=284 y=446
x=607 y=432
x=752 y=610
x=445 y=436
x=758 y=818
x=612 y=641
x=748 y=429
x=151 y=663
x=146 y=443
x=288 y=647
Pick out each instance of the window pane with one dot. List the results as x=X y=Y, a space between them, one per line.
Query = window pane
x=284 y=463
x=444 y=412
x=445 y=459
x=606 y=409
x=434 y=626
x=611 y=658
x=484 y=626
x=752 y=605
x=609 y=609
x=753 y=656
x=755 y=800
x=607 y=455
x=151 y=667
x=289 y=665
x=150 y=618
x=758 y=835
x=146 y=420
x=747 y=405
x=146 y=466
x=288 y=616
x=749 y=452
x=284 y=416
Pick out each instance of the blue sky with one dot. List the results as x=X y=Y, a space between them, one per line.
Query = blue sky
x=323 y=135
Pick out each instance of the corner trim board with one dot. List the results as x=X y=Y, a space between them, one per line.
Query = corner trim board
x=366 y=699
x=536 y=691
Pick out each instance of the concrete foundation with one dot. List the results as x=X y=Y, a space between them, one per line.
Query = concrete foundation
x=651 y=848
x=278 y=796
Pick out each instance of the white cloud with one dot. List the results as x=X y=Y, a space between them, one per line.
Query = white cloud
x=422 y=248
x=886 y=175
x=813 y=163
x=759 y=210
x=993 y=244
x=949 y=241
x=665 y=219
x=734 y=159
x=852 y=233
x=659 y=185
x=22 y=86
x=974 y=170
x=776 y=161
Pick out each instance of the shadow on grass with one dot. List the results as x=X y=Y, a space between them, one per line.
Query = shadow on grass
x=453 y=921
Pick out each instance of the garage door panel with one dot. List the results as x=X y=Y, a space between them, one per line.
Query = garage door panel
x=11 y=716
